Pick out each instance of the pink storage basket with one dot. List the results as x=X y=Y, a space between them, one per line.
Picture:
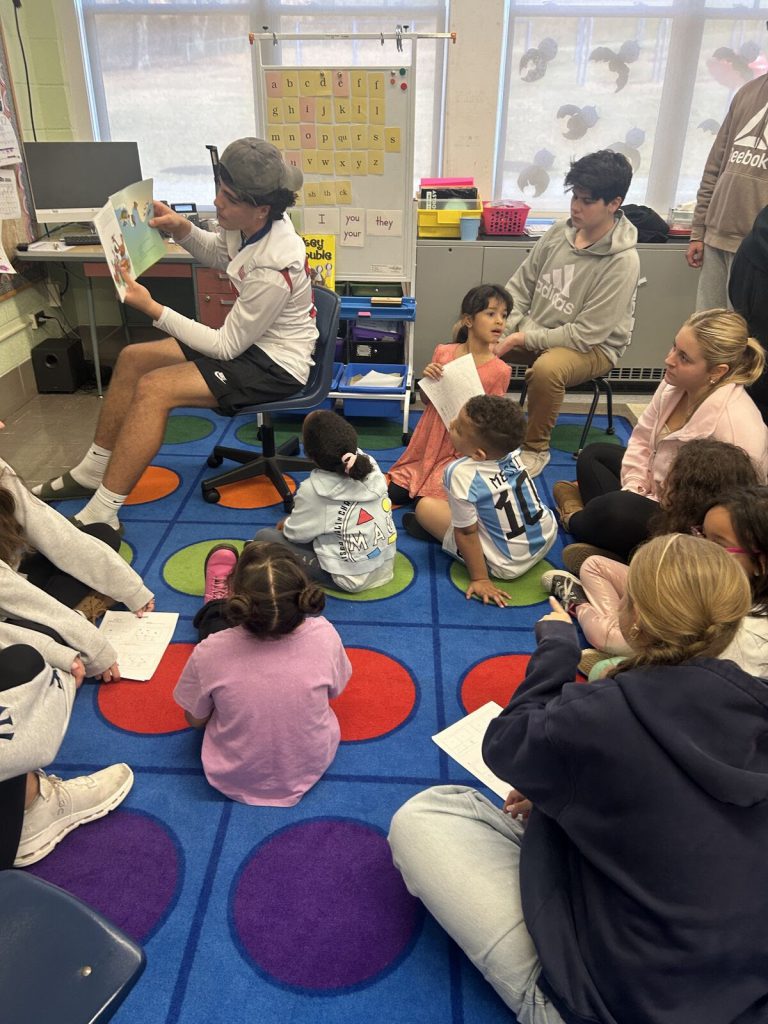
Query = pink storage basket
x=504 y=218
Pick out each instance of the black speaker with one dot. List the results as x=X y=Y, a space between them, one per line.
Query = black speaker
x=59 y=365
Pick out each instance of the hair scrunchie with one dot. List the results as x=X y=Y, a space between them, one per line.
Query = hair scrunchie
x=348 y=460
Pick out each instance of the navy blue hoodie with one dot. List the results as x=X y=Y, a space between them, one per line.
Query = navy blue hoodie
x=644 y=867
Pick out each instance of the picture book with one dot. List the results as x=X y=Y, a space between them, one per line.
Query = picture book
x=321 y=257
x=130 y=245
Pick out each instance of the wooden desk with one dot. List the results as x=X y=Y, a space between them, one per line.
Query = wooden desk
x=176 y=263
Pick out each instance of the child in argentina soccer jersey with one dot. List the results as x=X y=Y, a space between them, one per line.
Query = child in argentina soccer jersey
x=341 y=527
x=493 y=520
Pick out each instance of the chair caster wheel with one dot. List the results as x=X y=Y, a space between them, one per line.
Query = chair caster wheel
x=610 y=430
x=406 y=438
x=212 y=496
x=214 y=460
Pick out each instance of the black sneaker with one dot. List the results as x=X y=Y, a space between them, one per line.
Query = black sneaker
x=565 y=587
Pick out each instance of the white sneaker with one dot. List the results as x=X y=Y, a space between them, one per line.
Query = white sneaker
x=534 y=462
x=63 y=805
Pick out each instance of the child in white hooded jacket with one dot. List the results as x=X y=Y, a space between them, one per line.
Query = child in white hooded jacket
x=341 y=526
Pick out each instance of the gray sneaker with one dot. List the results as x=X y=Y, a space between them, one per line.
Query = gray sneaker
x=64 y=805
x=565 y=587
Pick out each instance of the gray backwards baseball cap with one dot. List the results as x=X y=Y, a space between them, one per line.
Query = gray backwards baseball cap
x=257 y=168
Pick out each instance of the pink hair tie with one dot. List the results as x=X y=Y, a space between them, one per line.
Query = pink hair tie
x=348 y=460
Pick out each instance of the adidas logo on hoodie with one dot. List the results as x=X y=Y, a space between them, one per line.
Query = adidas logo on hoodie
x=555 y=286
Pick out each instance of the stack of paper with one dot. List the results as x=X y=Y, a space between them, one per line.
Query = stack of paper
x=374 y=379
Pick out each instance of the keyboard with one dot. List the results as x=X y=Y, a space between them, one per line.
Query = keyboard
x=92 y=239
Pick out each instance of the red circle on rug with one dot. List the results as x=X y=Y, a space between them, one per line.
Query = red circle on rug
x=155 y=482
x=493 y=679
x=377 y=699
x=256 y=493
x=148 y=708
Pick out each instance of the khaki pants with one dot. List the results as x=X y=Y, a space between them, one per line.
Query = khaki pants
x=549 y=374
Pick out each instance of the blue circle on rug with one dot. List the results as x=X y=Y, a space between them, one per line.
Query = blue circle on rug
x=128 y=866
x=320 y=907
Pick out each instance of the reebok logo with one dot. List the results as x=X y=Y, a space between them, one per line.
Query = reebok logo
x=556 y=286
x=750 y=146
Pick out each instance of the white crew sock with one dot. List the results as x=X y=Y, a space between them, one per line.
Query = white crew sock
x=103 y=507
x=89 y=472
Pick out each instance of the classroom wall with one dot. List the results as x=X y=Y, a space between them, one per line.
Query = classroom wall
x=51 y=106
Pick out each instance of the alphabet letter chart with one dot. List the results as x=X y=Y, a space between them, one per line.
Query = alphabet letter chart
x=350 y=131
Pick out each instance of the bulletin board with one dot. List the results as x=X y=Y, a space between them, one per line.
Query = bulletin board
x=15 y=229
x=350 y=130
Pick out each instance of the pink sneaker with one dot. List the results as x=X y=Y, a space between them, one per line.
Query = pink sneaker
x=219 y=563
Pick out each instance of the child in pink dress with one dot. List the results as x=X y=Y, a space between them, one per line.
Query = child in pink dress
x=261 y=679
x=418 y=473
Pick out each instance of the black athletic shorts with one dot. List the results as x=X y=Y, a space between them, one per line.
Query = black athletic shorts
x=251 y=378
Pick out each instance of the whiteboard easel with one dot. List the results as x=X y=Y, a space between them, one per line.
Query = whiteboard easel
x=302 y=118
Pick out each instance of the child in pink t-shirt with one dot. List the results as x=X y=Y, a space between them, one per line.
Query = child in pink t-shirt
x=260 y=680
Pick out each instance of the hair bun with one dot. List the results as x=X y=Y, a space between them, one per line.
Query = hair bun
x=311 y=600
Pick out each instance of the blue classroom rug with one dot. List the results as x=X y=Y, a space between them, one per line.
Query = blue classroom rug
x=273 y=914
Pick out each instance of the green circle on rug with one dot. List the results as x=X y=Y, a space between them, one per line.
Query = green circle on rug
x=566 y=437
x=126 y=552
x=525 y=590
x=184 y=570
x=372 y=434
x=404 y=573
x=180 y=429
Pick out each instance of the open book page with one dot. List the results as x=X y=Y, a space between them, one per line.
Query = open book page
x=140 y=642
x=463 y=742
x=130 y=245
x=459 y=383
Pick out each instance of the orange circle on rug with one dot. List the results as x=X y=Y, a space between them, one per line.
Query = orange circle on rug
x=256 y=493
x=148 y=708
x=155 y=482
x=377 y=699
x=493 y=679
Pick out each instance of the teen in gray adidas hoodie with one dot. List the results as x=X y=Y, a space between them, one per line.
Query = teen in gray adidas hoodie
x=577 y=298
x=574 y=297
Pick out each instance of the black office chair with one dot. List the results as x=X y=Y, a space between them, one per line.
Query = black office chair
x=598 y=384
x=60 y=960
x=272 y=461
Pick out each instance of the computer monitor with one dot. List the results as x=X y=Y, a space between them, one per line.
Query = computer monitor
x=71 y=181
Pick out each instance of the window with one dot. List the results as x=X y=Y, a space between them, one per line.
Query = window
x=653 y=83
x=177 y=80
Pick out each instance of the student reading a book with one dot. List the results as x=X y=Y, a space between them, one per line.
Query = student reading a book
x=493 y=520
x=261 y=679
x=418 y=473
x=638 y=888
x=263 y=351
x=341 y=527
x=54 y=578
x=574 y=297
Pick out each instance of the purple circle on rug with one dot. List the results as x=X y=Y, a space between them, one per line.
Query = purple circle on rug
x=319 y=906
x=127 y=866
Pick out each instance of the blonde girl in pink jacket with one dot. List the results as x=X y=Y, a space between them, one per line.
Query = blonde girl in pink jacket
x=702 y=395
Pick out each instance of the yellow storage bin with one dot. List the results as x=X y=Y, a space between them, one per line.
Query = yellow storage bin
x=444 y=221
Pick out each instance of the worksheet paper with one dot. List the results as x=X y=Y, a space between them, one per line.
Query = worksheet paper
x=140 y=642
x=460 y=382
x=376 y=379
x=10 y=208
x=463 y=742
